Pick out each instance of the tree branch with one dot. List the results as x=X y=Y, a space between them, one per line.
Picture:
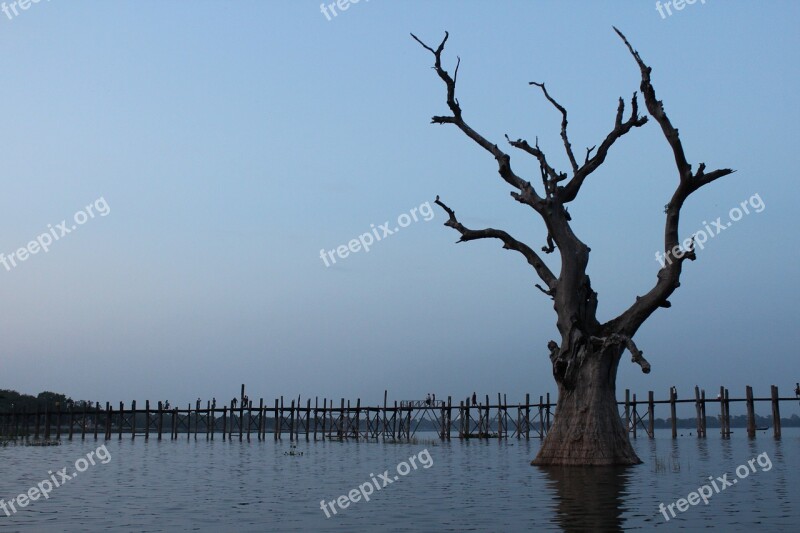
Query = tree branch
x=550 y=178
x=656 y=110
x=624 y=340
x=570 y=191
x=528 y=194
x=567 y=145
x=509 y=243
x=669 y=275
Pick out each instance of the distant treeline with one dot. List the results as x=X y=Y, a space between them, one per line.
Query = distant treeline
x=11 y=399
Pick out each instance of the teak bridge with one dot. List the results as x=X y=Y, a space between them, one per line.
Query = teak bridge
x=399 y=422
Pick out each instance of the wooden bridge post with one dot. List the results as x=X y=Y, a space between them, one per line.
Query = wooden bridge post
x=276 y=430
x=627 y=410
x=297 y=419
x=224 y=422
x=726 y=430
x=133 y=420
x=449 y=416
x=541 y=416
x=500 y=418
x=121 y=417
x=727 y=413
x=384 y=429
x=308 y=416
x=394 y=422
x=231 y=421
x=294 y=419
x=341 y=419
x=160 y=418
x=698 y=413
x=776 y=412
x=83 y=422
x=349 y=426
x=316 y=412
x=196 y=418
x=751 y=415
x=209 y=420
x=463 y=418
x=107 y=434
x=147 y=419
x=71 y=422
x=249 y=418
x=97 y=413
x=480 y=420
x=635 y=414
x=527 y=416
x=324 y=416
x=248 y=407
x=674 y=422
x=703 y=410
x=241 y=416
x=260 y=418
x=291 y=422
x=358 y=417
x=722 y=411
x=651 y=419
x=547 y=422
x=486 y=419
x=96 y=418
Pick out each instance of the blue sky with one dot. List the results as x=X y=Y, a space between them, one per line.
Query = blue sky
x=233 y=141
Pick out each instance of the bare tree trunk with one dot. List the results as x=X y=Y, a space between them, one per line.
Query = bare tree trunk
x=587 y=429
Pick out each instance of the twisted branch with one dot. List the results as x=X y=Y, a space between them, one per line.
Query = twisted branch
x=509 y=243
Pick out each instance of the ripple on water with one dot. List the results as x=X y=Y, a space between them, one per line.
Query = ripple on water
x=472 y=486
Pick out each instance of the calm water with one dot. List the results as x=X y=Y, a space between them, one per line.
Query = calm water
x=470 y=486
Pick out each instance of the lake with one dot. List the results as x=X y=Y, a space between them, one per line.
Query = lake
x=455 y=486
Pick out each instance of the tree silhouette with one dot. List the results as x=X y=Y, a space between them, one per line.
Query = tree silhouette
x=587 y=429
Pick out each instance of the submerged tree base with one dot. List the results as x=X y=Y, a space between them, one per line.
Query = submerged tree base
x=587 y=429
x=577 y=453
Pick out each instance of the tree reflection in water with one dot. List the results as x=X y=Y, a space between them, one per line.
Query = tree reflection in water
x=589 y=498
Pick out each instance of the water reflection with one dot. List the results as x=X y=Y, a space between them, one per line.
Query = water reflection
x=589 y=498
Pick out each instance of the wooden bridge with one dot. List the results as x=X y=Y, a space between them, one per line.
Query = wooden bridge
x=327 y=421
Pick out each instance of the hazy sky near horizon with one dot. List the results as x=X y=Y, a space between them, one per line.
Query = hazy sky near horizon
x=233 y=141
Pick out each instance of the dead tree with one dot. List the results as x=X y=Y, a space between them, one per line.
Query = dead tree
x=587 y=429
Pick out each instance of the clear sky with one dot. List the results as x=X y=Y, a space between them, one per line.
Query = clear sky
x=232 y=141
